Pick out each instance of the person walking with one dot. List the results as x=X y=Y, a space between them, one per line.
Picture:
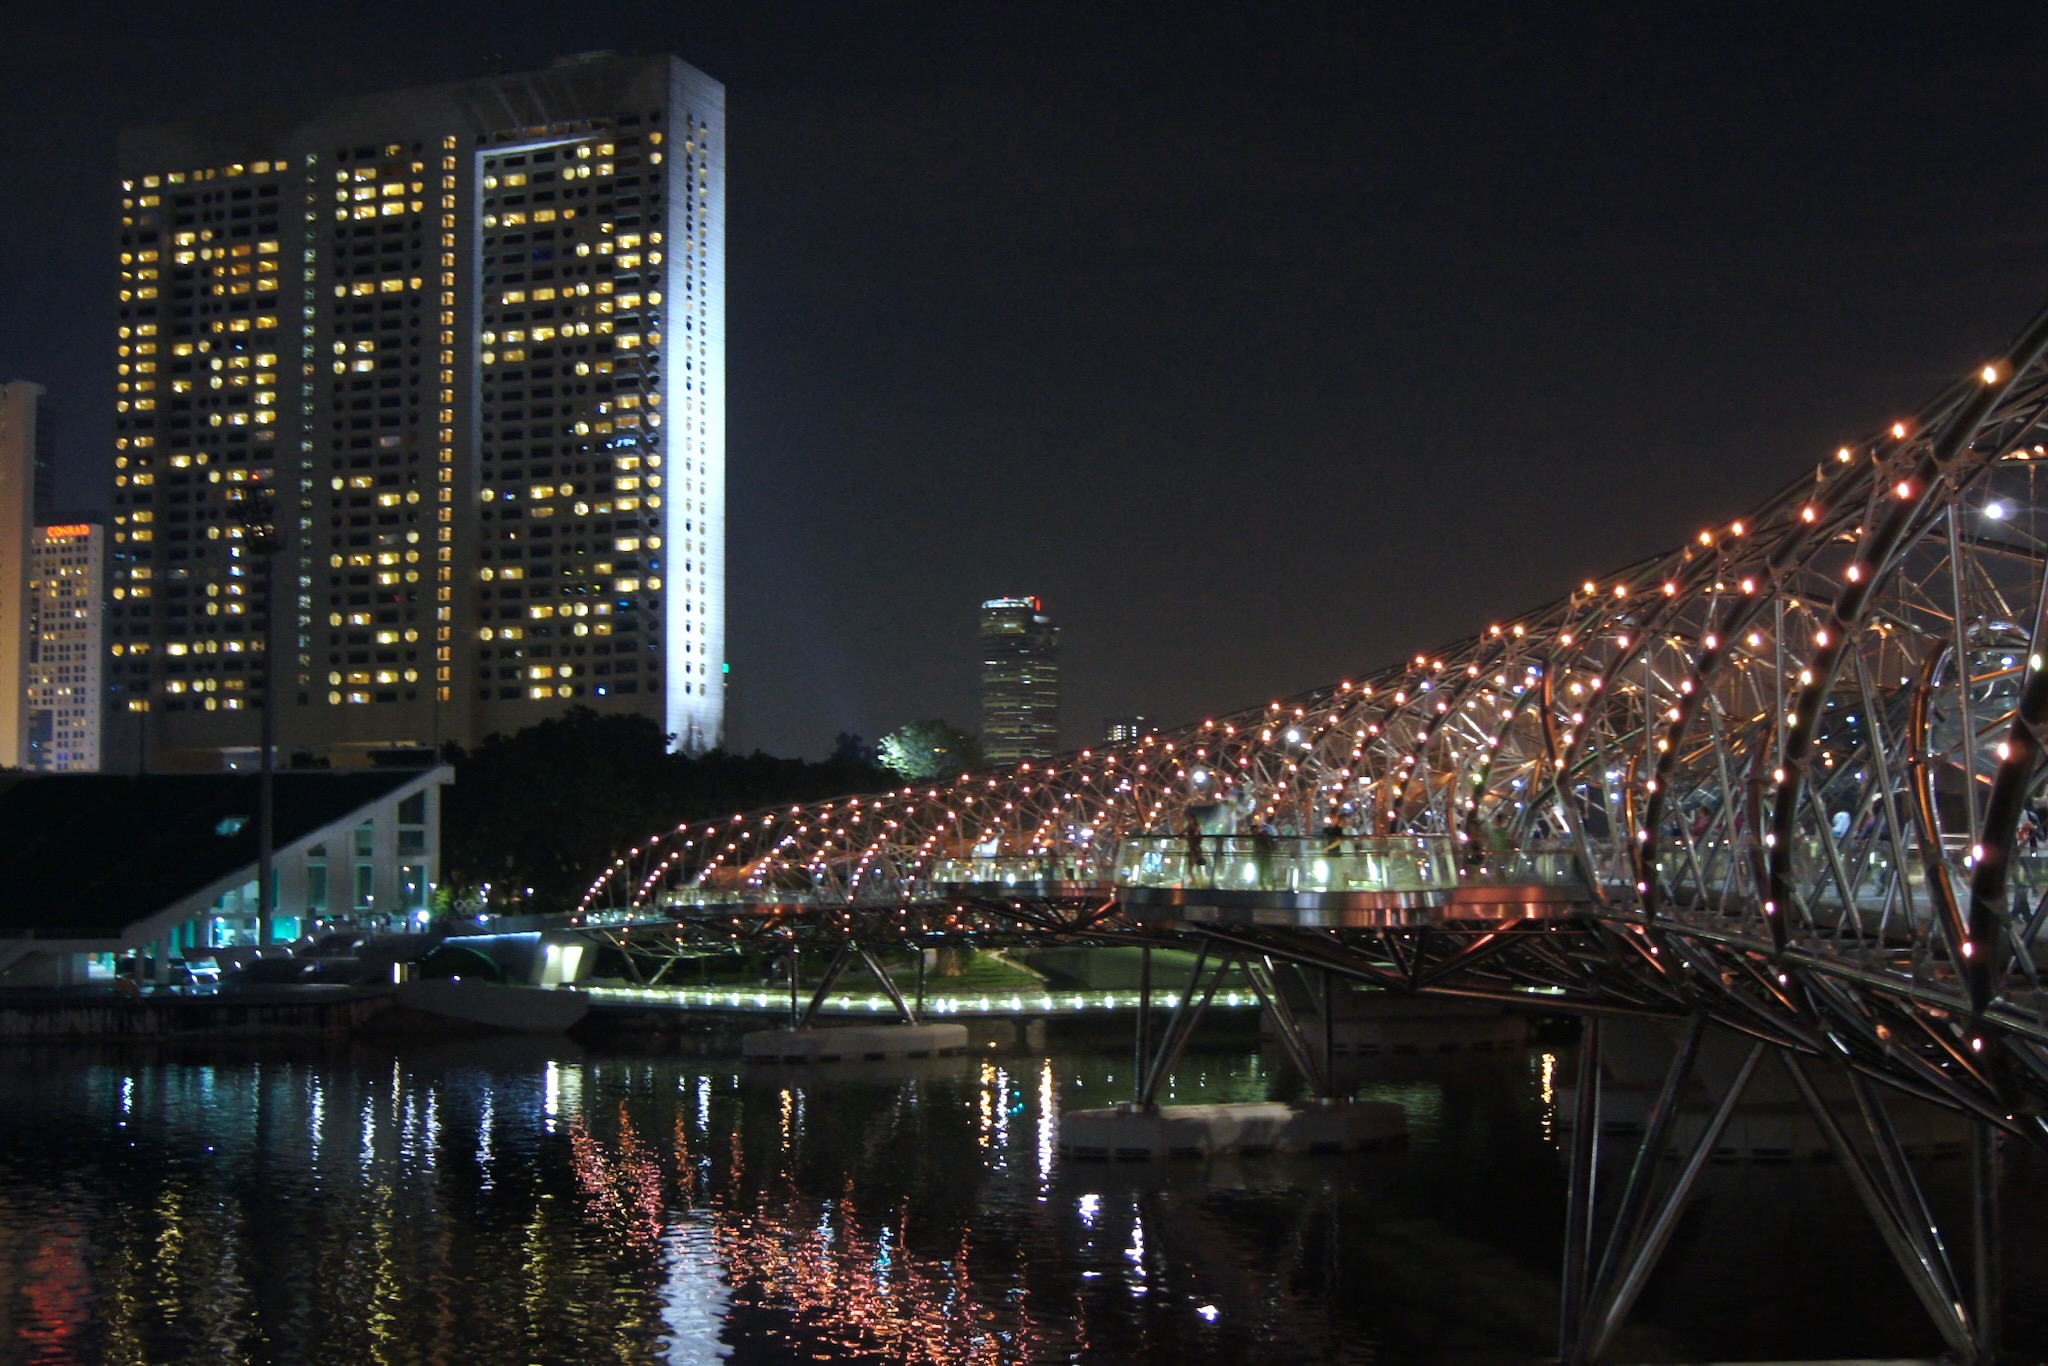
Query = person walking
x=1265 y=842
x=1195 y=861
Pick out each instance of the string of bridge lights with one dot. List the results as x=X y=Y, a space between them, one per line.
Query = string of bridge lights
x=1629 y=698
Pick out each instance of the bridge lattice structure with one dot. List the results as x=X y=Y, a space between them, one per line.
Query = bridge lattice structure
x=1786 y=778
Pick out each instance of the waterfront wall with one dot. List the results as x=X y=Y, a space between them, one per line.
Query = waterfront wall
x=161 y=1018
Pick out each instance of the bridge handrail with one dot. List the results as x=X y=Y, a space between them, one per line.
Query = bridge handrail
x=1388 y=863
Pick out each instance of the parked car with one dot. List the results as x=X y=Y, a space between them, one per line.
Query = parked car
x=196 y=977
x=293 y=972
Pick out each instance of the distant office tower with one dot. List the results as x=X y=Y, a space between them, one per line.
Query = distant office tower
x=25 y=475
x=1126 y=730
x=1020 y=681
x=471 y=341
x=67 y=585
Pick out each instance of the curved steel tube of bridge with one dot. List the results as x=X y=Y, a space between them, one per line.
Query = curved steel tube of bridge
x=1740 y=782
x=1745 y=776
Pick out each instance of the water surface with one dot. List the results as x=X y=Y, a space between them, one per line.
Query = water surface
x=488 y=1203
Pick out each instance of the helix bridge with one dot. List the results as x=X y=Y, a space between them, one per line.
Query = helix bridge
x=1783 y=783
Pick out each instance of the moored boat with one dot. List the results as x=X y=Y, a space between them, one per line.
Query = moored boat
x=495 y=1006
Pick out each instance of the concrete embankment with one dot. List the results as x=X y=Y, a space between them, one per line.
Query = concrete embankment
x=297 y=1014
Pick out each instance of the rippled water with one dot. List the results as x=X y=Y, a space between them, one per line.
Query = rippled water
x=494 y=1203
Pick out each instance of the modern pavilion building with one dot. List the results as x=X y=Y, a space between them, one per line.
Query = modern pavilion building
x=1020 y=681
x=464 y=348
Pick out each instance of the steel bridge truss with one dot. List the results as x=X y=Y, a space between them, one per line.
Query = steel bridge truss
x=1788 y=778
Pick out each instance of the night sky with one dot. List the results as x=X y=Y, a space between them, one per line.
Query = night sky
x=1265 y=347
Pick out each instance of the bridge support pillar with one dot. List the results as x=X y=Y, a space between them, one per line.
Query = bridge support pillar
x=1897 y=1206
x=1314 y=1063
x=1986 y=1265
x=1601 y=1284
x=844 y=957
x=1142 y=1048
x=1579 y=1193
x=795 y=960
x=1181 y=1027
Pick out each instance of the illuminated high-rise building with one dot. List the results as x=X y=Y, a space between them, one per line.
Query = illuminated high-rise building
x=67 y=644
x=25 y=476
x=1126 y=730
x=1020 y=681
x=466 y=345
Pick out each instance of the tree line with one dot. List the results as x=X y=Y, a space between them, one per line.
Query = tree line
x=534 y=816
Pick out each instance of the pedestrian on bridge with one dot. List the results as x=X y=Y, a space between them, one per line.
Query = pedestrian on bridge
x=1193 y=831
x=1265 y=843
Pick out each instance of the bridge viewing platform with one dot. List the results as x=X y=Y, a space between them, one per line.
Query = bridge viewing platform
x=1356 y=882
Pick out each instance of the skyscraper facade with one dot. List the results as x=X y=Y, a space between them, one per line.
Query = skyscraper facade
x=466 y=345
x=25 y=475
x=1020 y=681
x=67 y=642
x=1126 y=730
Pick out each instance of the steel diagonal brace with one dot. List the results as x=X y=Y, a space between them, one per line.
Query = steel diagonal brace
x=623 y=943
x=1648 y=1248
x=1751 y=1016
x=1835 y=869
x=1662 y=977
x=903 y=1007
x=1960 y=1059
x=2029 y=1057
x=1581 y=1195
x=1182 y=1026
x=840 y=959
x=1555 y=1005
x=1986 y=948
x=1898 y=1066
x=1540 y=963
x=1405 y=962
x=1619 y=956
x=1906 y=1071
x=1291 y=948
x=1488 y=945
x=1260 y=972
x=1927 y=1279
x=1916 y=1220
x=1624 y=1236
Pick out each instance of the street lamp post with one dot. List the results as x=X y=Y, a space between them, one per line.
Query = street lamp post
x=258 y=515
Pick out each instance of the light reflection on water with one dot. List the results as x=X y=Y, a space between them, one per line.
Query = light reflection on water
x=498 y=1203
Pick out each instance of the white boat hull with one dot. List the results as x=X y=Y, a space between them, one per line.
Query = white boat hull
x=487 y=1005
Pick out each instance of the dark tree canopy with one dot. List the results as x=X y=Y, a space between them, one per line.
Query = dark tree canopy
x=850 y=748
x=549 y=807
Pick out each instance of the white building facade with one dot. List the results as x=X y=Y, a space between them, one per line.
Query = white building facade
x=24 y=474
x=67 y=642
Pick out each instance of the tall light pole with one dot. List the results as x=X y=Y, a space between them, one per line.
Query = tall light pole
x=257 y=513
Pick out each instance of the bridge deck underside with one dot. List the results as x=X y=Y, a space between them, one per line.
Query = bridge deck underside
x=1882 y=1009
